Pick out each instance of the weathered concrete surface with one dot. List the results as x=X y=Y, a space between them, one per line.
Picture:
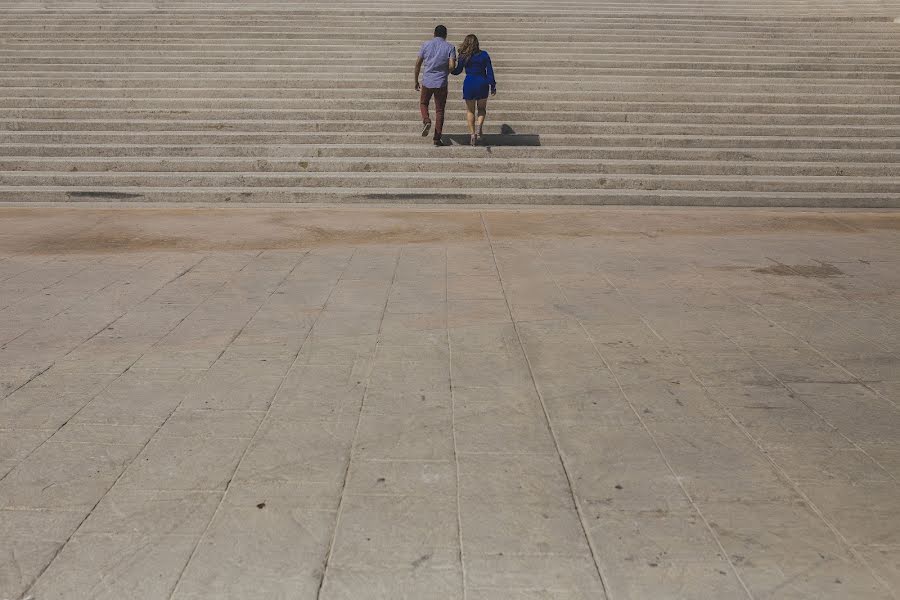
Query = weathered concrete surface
x=396 y=403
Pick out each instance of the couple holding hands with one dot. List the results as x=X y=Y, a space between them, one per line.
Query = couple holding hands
x=439 y=59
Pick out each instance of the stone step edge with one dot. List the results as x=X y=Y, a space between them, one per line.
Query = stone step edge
x=251 y=117
x=848 y=13
x=459 y=159
x=313 y=140
x=25 y=195
x=287 y=152
x=611 y=177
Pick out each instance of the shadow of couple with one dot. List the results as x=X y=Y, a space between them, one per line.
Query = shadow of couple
x=506 y=137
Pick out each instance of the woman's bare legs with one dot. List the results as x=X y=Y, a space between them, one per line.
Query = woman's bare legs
x=482 y=113
x=470 y=120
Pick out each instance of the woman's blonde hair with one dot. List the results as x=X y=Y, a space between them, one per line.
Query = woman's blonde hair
x=469 y=47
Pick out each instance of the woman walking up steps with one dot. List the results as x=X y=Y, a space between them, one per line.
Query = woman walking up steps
x=479 y=83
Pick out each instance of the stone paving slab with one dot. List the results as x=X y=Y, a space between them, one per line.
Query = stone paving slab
x=473 y=403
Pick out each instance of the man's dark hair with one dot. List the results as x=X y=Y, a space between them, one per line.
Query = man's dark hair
x=440 y=31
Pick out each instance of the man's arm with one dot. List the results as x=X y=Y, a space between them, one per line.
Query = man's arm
x=418 y=70
x=451 y=64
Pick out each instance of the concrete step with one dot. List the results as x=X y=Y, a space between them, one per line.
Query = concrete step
x=249 y=48
x=47 y=193
x=850 y=11
x=543 y=30
x=294 y=55
x=340 y=56
x=190 y=128
x=825 y=67
x=251 y=119
x=17 y=107
x=535 y=88
x=497 y=39
x=427 y=180
x=490 y=15
x=23 y=154
x=554 y=110
x=299 y=22
x=253 y=48
x=597 y=35
x=786 y=95
x=524 y=78
x=468 y=164
x=812 y=72
x=155 y=138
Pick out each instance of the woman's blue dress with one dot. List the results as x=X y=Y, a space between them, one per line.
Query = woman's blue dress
x=480 y=80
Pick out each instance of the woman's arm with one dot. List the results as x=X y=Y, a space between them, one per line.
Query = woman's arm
x=460 y=65
x=489 y=71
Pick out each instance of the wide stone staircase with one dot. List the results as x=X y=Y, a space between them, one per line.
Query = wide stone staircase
x=688 y=102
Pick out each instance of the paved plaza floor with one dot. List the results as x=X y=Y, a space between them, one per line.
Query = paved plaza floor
x=412 y=403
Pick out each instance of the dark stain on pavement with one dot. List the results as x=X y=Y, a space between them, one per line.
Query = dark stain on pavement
x=415 y=197
x=817 y=270
x=421 y=560
x=96 y=241
x=102 y=196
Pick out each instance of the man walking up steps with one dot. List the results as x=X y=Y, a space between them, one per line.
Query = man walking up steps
x=438 y=56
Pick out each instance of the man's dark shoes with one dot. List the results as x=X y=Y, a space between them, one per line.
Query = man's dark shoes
x=439 y=143
x=426 y=127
